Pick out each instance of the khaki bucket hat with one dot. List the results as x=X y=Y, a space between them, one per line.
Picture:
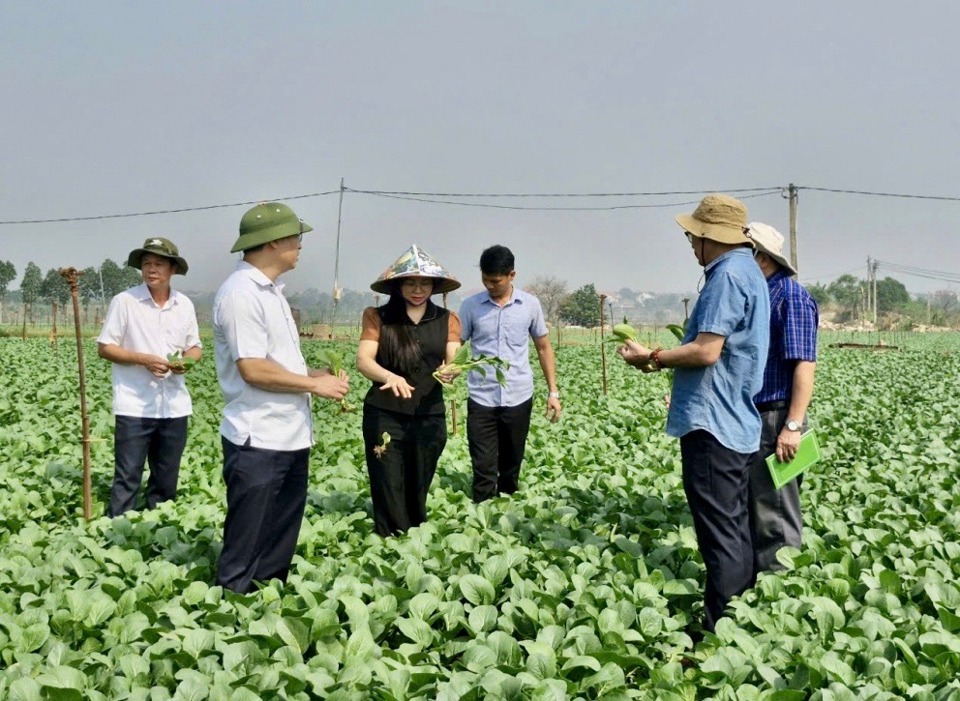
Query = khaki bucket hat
x=415 y=263
x=768 y=240
x=160 y=247
x=719 y=218
x=267 y=222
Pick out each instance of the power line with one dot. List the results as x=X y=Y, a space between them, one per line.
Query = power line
x=921 y=272
x=880 y=194
x=771 y=191
x=561 y=194
x=830 y=276
x=163 y=211
x=427 y=197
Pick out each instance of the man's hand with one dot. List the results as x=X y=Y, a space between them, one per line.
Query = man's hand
x=158 y=366
x=787 y=444
x=553 y=409
x=330 y=387
x=634 y=353
x=637 y=355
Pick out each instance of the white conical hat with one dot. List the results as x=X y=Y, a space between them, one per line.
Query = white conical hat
x=415 y=263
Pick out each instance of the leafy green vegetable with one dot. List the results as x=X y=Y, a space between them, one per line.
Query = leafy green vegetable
x=332 y=359
x=462 y=362
x=181 y=361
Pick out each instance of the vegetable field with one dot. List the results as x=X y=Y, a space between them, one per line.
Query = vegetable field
x=578 y=587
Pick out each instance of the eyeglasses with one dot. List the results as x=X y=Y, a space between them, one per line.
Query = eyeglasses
x=690 y=237
x=417 y=283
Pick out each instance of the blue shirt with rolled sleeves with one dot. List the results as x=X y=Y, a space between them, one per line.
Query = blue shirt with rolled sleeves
x=718 y=399
x=505 y=332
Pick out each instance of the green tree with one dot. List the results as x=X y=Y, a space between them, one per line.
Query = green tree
x=116 y=279
x=582 y=307
x=88 y=286
x=55 y=287
x=30 y=288
x=820 y=294
x=892 y=295
x=8 y=273
x=847 y=292
x=551 y=292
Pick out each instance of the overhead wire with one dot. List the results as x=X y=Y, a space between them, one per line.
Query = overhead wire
x=179 y=210
x=430 y=200
x=920 y=272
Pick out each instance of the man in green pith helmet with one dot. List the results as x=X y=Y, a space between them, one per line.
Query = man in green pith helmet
x=267 y=428
x=143 y=327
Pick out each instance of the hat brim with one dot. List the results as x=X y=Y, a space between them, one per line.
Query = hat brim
x=135 y=260
x=721 y=233
x=274 y=233
x=777 y=258
x=441 y=285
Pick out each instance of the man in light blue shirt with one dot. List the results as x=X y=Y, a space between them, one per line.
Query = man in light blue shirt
x=501 y=321
x=718 y=368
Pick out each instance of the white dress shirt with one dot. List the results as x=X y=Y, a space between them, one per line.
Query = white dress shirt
x=252 y=319
x=137 y=323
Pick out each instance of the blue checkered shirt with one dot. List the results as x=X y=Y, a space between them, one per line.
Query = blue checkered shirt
x=793 y=335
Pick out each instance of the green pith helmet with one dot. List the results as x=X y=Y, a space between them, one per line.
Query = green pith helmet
x=267 y=222
x=160 y=247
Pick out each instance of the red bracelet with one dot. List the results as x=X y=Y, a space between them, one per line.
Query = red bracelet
x=655 y=357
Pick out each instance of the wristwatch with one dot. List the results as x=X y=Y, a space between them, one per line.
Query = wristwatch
x=553 y=395
x=792 y=425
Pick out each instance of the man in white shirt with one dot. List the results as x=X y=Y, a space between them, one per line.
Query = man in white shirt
x=144 y=325
x=267 y=428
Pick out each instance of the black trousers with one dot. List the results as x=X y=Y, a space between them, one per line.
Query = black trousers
x=160 y=442
x=266 y=497
x=775 y=517
x=401 y=473
x=497 y=437
x=715 y=480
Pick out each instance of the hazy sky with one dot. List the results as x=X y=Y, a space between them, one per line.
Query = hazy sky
x=126 y=107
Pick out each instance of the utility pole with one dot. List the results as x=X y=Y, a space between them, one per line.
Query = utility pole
x=337 y=292
x=876 y=264
x=869 y=286
x=792 y=189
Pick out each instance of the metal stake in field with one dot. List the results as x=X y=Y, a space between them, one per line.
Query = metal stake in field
x=603 y=351
x=72 y=276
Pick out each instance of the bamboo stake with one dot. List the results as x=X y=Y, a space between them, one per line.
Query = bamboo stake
x=603 y=351
x=54 y=340
x=72 y=275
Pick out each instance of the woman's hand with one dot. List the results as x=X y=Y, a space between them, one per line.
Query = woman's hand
x=398 y=385
x=447 y=373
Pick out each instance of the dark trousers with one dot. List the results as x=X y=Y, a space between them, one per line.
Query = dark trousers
x=160 y=442
x=266 y=497
x=497 y=437
x=401 y=473
x=775 y=517
x=715 y=481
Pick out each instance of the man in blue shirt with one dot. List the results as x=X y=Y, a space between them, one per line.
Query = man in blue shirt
x=718 y=369
x=501 y=321
x=775 y=519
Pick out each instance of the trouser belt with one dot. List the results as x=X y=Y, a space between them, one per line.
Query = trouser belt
x=772 y=406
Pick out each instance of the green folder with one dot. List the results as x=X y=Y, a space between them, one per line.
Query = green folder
x=808 y=453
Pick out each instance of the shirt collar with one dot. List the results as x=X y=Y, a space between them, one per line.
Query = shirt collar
x=142 y=293
x=777 y=276
x=514 y=297
x=257 y=275
x=726 y=256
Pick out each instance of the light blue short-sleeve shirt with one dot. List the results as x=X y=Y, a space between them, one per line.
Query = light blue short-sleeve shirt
x=505 y=332
x=734 y=304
